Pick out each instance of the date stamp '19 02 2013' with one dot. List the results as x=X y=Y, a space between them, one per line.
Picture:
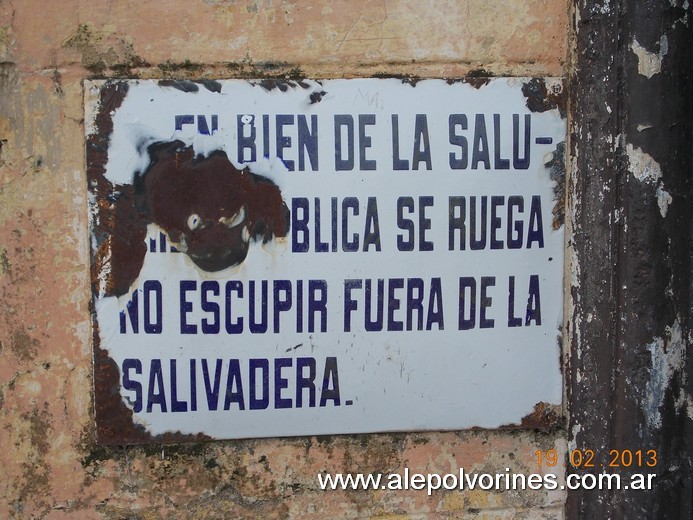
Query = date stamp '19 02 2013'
x=587 y=458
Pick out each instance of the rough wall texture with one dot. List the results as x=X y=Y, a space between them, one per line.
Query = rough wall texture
x=51 y=466
x=631 y=289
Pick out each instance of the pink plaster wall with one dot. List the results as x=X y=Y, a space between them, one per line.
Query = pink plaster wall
x=51 y=466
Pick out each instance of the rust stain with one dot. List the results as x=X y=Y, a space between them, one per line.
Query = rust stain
x=114 y=423
x=406 y=79
x=476 y=78
x=209 y=209
x=191 y=86
x=545 y=417
x=540 y=98
x=282 y=85
x=556 y=166
x=182 y=85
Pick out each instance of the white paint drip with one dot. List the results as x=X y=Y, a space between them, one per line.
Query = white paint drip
x=668 y=359
x=642 y=165
x=650 y=63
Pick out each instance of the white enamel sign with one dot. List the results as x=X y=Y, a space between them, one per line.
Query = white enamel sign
x=278 y=258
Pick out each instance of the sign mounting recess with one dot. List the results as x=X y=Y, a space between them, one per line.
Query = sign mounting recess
x=277 y=258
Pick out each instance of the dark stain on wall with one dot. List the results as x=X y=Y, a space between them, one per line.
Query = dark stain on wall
x=541 y=98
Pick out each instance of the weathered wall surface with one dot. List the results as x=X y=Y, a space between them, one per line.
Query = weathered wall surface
x=630 y=213
x=51 y=466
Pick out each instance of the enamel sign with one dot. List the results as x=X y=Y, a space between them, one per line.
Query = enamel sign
x=280 y=258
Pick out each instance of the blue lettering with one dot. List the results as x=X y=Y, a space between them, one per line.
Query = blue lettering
x=365 y=141
x=518 y=162
x=255 y=326
x=393 y=303
x=499 y=163
x=467 y=284
x=214 y=326
x=457 y=221
x=533 y=301
x=350 y=304
x=347 y=245
x=317 y=305
x=415 y=302
x=237 y=326
x=186 y=307
x=284 y=141
x=536 y=228
x=234 y=386
x=424 y=223
x=281 y=304
x=246 y=125
x=435 y=305
x=255 y=402
x=421 y=138
x=486 y=301
x=176 y=405
x=515 y=242
x=373 y=325
x=307 y=142
x=305 y=382
x=299 y=225
x=133 y=386
x=480 y=150
x=496 y=200
x=397 y=163
x=280 y=383
x=512 y=320
x=330 y=383
x=212 y=387
x=405 y=224
x=474 y=243
x=372 y=231
x=345 y=122
x=155 y=393
x=454 y=121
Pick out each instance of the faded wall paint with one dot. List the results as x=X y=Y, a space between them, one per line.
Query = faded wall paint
x=52 y=467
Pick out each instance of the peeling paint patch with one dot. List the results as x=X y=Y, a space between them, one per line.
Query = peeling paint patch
x=650 y=63
x=642 y=165
x=663 y=200
x=183 y=86
x=542 y=95
x=545 y=415
x=668 y=358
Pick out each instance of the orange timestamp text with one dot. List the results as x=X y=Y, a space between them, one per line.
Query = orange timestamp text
x=586 y=458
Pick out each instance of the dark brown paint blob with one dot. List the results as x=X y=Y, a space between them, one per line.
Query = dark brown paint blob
x=209 y=209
